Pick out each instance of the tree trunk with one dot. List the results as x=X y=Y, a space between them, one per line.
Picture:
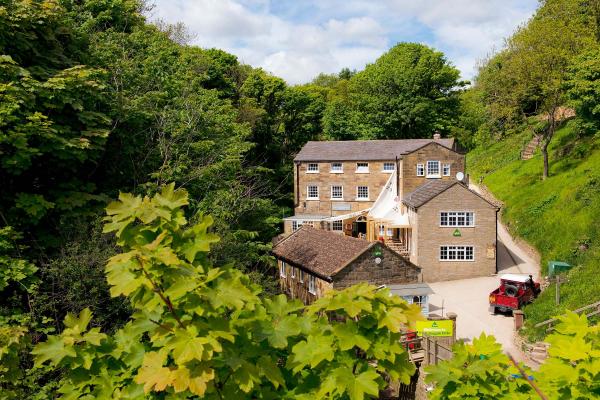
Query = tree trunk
x=545 y=154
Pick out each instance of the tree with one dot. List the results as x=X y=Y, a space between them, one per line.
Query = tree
x=203 y=330
x=483 y=371
x=583 y=84
x=409 y=92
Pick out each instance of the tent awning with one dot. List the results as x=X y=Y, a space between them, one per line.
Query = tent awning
x=387 y=209
x=347 y=216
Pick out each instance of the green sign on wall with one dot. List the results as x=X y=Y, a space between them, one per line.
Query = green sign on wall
x=456 y=233
x=443 y=327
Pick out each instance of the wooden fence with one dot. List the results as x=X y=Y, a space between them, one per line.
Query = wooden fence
x=435 y=351
x=594 y=306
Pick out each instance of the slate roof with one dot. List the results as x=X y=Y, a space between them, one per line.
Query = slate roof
x=324 y=253
x=364 y=150
x=433 y=188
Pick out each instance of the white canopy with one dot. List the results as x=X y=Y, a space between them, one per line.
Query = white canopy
x=387 y=208
x=515 y=278
x=346 y=216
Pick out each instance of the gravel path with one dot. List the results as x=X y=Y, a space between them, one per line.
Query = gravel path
x=468 y=298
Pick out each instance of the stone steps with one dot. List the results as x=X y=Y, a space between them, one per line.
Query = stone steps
x=529 y=150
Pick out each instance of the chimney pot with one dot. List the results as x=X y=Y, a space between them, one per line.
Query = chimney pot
x=437 y=135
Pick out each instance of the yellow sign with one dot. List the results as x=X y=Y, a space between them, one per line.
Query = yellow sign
x=442 y=327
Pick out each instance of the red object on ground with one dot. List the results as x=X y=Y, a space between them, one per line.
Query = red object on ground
x=514 y=292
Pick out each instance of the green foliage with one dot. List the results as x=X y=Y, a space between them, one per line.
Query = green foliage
x=482 y=371
x=203 y=330
x=584 y=88
x=409 y=92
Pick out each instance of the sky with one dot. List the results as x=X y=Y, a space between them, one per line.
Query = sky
x=298 y=39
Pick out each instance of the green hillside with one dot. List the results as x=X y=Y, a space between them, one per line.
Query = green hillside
x=559 y=215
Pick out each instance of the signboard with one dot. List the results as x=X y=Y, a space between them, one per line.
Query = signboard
x=456 y=233
x=377 y=251
x=340 y=207
x=442 y=327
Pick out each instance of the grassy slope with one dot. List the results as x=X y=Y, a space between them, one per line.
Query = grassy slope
x=556 y=216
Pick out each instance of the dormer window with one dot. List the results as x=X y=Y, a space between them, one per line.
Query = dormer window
x=433 y=169
x=389 y=167
x=336 y=168
x=446 y=170
x=362 y=168
x=312 y=168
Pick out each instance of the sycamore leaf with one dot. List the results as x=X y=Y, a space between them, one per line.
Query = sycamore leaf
x=78 y=324
x=348 y=336
x=194 y=380
x=365 y=383
x=53 y=349
x=187 y=347
x=271 y=371
x=152 y=374
x=171 y=198
x=569 y=348
x=312 y=351
x=572 y=324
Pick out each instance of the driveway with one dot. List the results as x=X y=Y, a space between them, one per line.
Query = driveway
x=468 y=298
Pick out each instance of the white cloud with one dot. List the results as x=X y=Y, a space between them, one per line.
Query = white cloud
x=297 y=40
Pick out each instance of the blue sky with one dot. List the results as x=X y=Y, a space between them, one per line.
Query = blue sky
x=298 y=39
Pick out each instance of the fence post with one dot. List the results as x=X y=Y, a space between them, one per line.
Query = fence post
x=435 y=352
x=452 y=316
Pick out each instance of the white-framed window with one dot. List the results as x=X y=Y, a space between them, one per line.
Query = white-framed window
x=456 y=219
x=419 y=300
x=337 y=225
x=312 y=168
x=389 y=167
x=433 y=169
x=282 y=269
x=381 y=230
x=446 y=170
x=337 y=192
x=420 y=170
x=296 y=225
x=362 y=193
x=390 y=232
x=293 y=272
x=336 y=168
x=312 y=192
x=457 y=253
x=362 y=167
x=301 y=276
x=312 y=284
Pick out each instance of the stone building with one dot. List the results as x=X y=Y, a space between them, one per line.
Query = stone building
x=312 y=261
x=371 y=190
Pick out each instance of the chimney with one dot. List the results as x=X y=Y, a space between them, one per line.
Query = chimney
x=437 y=135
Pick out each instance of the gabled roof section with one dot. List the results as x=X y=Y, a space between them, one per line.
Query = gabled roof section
x=324 y=253
x=433 y=188
x=364 y=150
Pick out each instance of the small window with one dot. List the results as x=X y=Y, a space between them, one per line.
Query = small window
x=282 y=269
x=337 y=192
x=381 y=230
x=390 y=232
x=433 y=169
x=312 y=284
x=362 y=167
x=337 y=168
x=293 y=272
x=457 y=219
x=456 y=253
x=389 y=167
x=337 y=225
x=446 y=170
x=301 y=276
x=312 y=192
x=312 y=168
x=420 y=170
x=362 y=193
x=296 y=225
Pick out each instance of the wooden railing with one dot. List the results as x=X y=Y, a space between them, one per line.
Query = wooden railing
x=435 y=351
x=595 y=306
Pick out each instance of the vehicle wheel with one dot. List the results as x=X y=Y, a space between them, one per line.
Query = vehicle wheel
x=511 y=290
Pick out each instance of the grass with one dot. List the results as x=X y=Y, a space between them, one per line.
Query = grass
x=559 y=216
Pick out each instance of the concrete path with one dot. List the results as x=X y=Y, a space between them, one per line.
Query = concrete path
x=468 y=298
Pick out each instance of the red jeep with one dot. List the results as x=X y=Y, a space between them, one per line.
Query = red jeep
x=514 y=291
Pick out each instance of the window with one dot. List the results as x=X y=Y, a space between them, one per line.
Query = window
x=337 y=192
x=336 y=168
x=418 y=300
x=389 y=167
x=337 y=225
x=312 y=192
x=456 y=253
x=282 y=269
x=381 y=230
x=446 y=170
x=312 y=284
x=362 y=193
x=420 y=170
x=293 y=272
x=390 y=232
x=433 y=169
x=296 y=225
x=457 y=219
x=312 y=168
x=301 y=276
x=362 y=167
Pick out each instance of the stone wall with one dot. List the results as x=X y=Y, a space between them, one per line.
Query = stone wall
x=432 y=152
x=297 y=288
x=393 y=269
x=431 y=236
